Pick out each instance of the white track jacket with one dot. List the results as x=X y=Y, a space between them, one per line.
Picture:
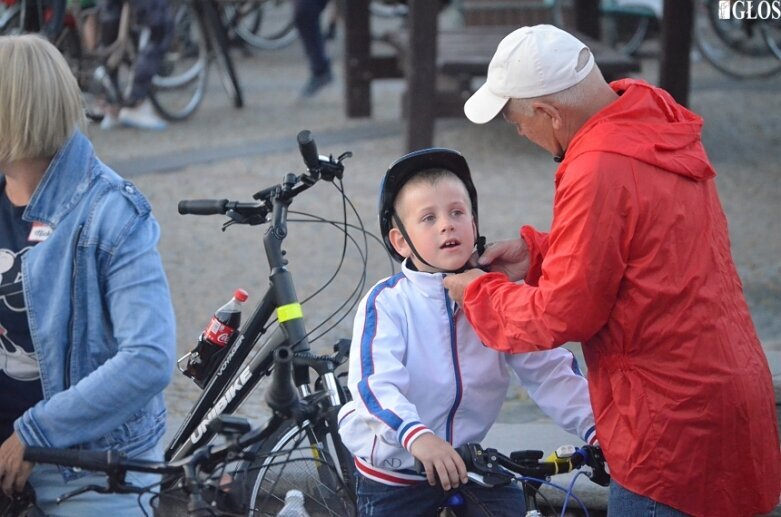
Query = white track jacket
x=417 y=366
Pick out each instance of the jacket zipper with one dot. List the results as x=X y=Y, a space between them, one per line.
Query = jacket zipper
x=71 y=337
x=457 y=370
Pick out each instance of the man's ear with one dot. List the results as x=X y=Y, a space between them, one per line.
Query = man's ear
x=399 y=242
x=551 y=111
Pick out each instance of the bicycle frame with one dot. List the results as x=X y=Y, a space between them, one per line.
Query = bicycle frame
x=226 y=390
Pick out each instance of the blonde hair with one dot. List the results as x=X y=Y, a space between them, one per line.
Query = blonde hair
x=40 y=103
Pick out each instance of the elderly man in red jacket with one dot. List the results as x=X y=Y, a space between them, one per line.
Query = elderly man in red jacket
x=637 y=267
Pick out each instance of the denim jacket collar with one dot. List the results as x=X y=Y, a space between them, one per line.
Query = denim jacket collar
x=63 y=184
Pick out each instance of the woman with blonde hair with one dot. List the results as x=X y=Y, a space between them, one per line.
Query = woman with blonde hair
x=86 y=323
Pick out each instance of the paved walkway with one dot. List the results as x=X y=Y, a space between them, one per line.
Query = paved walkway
x=223 y=152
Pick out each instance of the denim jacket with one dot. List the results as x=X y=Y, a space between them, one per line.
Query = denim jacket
x=99 y=309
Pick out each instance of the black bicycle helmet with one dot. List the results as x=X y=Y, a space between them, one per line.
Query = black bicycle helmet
x=403 y=169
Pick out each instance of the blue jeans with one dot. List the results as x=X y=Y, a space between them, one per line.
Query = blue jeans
x=49 y=485
x=154 y=14
x=379 y=500
x=307 y=20
x=624 y=503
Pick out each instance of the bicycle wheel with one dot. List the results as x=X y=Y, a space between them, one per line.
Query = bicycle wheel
x=10 y=19
x=388 y=9
x=626 y=27
x=44 y=16
x=301 y=459
x=737 y=48
x=772 y=33
x=221 y=50
x=179 y=86
x=264 y=24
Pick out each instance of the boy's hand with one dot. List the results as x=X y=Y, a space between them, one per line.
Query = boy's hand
x=441 y=460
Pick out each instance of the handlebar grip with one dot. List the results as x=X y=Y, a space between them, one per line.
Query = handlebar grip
x=202 y=206
x=88 y=460
x=281 y=396
x=308 y=149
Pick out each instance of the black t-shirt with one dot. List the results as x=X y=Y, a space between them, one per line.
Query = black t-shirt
x=20 y=376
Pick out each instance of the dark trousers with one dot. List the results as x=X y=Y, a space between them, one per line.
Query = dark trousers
x=380 y=500
x=154 y=14
x=307 y=17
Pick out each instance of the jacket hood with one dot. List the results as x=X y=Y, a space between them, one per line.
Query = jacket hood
x=646 y=124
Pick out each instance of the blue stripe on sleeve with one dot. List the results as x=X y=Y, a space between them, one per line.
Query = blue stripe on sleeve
x=589 y=433
x=367 y=361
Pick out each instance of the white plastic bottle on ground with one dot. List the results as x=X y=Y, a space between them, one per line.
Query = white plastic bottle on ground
x=294 y=505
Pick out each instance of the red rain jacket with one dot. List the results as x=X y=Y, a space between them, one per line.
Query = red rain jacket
x=637 y=267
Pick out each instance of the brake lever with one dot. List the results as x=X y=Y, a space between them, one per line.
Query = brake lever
x=485 y=463
x=478 y=479
x=81 y=490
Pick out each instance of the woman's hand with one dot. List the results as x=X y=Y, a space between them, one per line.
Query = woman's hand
x=14 y=471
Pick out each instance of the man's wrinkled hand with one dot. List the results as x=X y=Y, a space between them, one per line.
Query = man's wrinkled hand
x=456 y=284
x=510 y=257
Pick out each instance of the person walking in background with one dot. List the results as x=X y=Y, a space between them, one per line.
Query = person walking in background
x=307 y=20
x=155 y=16
x=637 y=266
x=87 y=326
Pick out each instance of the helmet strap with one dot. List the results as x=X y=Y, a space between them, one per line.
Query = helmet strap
x=480 y=242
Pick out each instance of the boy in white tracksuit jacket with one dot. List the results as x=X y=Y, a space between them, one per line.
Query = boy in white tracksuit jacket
x=417 y=367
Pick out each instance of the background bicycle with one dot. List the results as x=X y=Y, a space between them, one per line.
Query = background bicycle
x=199 y=38
x=19 y=16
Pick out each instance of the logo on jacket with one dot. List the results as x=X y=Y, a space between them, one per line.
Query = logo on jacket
x=392 y=463
x=15 y=362
x=11 y=279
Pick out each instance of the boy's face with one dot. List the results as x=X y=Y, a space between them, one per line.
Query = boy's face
x=438 y=219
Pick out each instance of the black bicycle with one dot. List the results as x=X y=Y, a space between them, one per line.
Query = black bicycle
x=300 y=447
x=200 y=471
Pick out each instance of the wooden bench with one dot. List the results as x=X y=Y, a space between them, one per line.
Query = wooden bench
x=439 y=67
x=464 y=54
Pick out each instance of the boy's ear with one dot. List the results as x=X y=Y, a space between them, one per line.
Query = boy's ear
x=399 y=242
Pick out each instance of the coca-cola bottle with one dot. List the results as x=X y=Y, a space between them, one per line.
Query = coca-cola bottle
x=214 y=341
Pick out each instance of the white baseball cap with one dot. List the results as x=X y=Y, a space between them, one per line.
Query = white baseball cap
x=529 y=62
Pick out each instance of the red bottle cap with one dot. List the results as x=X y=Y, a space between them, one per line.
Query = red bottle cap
x=241 y=295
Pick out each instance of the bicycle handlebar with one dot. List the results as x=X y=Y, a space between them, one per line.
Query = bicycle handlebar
x=490 y=468
x=88 y=460
x=308 y=150
x=202 y=206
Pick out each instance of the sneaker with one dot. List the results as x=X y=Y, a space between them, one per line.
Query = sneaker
x=316 y=83
x=142 y=116
x=109 y=121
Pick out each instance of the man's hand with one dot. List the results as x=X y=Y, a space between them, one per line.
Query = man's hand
x=441 y=460
x=456 y=284
x=14 y=471
x=510 y=257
